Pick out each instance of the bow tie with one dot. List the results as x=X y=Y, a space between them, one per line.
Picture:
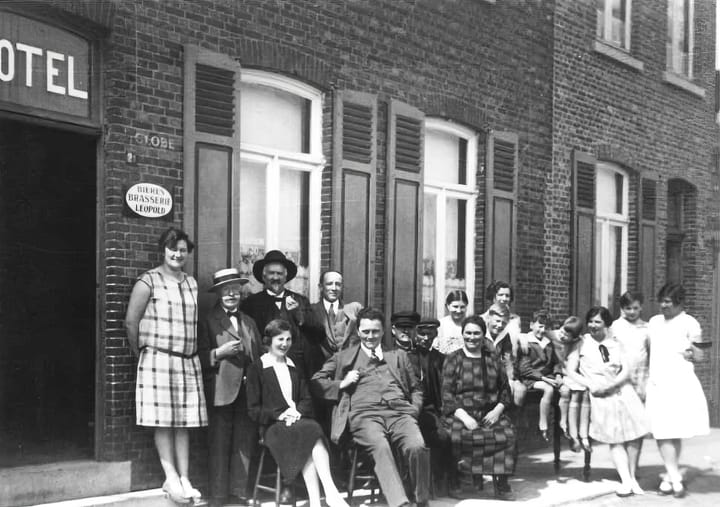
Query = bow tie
x=235 y=314
x=277 y=299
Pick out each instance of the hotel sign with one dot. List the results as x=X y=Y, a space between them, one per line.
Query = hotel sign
x=43 y=67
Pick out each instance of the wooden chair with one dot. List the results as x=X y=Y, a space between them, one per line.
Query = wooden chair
x=276 y=488
x=358 y=473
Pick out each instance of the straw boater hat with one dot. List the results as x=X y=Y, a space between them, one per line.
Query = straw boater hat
x=273 y=257
x=226 y=276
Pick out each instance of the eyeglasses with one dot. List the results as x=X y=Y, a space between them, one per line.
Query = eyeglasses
x=604 y=353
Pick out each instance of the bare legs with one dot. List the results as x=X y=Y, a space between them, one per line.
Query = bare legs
x=318 y=466
x=620 y=459
x=575 y=416
x=670 y=451
x=173 y=447
x=545 y=403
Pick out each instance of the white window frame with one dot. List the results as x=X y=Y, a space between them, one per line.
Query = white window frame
x=603 y=222
x=674 y=29
x=276 y=160
x=467 y=192
x=607 y=25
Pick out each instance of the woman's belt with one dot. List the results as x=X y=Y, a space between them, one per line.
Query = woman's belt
x=170 y=352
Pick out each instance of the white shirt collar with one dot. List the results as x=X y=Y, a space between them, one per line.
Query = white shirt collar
x=328 y=304
x=268 y=360
x=378 y=351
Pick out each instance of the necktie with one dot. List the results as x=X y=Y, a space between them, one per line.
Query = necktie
x=235 y=314
x=374 y=357
x=332 y=316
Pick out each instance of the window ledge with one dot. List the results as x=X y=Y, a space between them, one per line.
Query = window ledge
x=683 y=83
x=617 y=54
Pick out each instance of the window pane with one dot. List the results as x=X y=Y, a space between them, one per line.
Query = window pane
x=441 y=157
x=274 y=118
x=607 y=191
x=251 y=217
x=293 y=236
x=600 y=9
x=429 y=244
x=617 y=32
x=455 y=245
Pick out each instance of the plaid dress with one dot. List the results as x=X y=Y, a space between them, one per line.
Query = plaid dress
x=478 y=385
x=169 y=388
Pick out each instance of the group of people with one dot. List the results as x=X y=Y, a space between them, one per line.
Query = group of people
x=431 y=406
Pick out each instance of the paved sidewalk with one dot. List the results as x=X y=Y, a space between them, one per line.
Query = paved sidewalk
x=535 y=482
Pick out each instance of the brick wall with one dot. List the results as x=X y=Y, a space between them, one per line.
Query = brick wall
x=638 y=120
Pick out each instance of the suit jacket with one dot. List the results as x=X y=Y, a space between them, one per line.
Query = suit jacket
x=326 y=383
x=224 y=377
x=262 y=308
x=429 y=365
x=265 y=399
x=329 y=339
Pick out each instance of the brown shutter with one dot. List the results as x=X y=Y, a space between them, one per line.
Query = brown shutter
x=501 y=206
x=404 y=205
x=647 y=252
x=211 y=127
x=583 y=232
x=353 y=200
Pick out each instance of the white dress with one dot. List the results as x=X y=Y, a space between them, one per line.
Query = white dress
x=675 y=403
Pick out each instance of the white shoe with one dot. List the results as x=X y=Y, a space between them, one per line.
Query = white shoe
x=190 y=492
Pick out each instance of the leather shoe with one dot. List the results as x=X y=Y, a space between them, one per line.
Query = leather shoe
x=502 y=488
x=287 y=495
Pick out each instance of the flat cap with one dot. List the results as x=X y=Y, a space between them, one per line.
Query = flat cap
x=405 y=318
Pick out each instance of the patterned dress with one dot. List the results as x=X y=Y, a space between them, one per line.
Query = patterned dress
x=619 y=416
x=478 y=384
x=636 y=343
x=169 y=388
x=449 y=338
x=676 y=402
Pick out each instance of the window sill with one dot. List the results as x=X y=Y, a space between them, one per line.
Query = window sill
x=683 y=83
x=617 y=54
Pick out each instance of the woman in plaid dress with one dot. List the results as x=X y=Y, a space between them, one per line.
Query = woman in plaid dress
x=475 y=392
x=161 y=325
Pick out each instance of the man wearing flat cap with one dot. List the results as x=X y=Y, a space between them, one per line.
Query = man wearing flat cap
x=228 y=342
x=274 y=301
x=403 y=329
x=428 y=364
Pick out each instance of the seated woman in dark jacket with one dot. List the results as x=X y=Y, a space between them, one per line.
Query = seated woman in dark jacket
x=279 y=400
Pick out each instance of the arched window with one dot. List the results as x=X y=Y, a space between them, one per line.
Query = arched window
x=449 y=213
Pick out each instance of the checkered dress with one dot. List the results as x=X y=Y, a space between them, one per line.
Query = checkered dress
x=477 y=384
x=169 y=388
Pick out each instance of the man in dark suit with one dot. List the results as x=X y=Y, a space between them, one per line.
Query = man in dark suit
x=277 y=302
x=378 y=398
x=228 y=341
x=403 y=329
x=334 y=319
x=428 y=363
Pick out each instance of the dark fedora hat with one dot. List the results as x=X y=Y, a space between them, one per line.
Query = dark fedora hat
x=273 y=257
x=226 y=276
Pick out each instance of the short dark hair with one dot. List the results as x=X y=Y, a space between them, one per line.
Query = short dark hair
x=573 y=326
x=171 y=237
x=541 y=317
x=457 y=295
x=370 y=313
x=629 y=297
x=274 y=328
x=474 y=319
x=603 y=312
x=674 y=291
x=495 y=287
x=322 y=275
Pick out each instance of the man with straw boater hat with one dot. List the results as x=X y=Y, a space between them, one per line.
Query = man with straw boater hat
x=228 y=341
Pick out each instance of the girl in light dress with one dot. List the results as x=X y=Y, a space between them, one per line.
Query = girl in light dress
x=449 y=338
x=676 y=403
x=600 y=363
x=632 y=333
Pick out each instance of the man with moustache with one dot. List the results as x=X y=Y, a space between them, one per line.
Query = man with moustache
x=274 y=301
x=228 y=342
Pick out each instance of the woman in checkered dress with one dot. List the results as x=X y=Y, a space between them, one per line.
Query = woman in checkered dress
x=475 y=392
x=161 y=325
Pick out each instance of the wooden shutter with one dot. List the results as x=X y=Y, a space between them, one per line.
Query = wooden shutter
x=211 y=127
x=583 y=232
x=501 y=206
x=647 y=240
x=404 y=205
x=353 y=200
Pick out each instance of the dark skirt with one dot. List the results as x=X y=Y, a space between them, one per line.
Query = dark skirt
x=291 y=446
x=484 y=450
